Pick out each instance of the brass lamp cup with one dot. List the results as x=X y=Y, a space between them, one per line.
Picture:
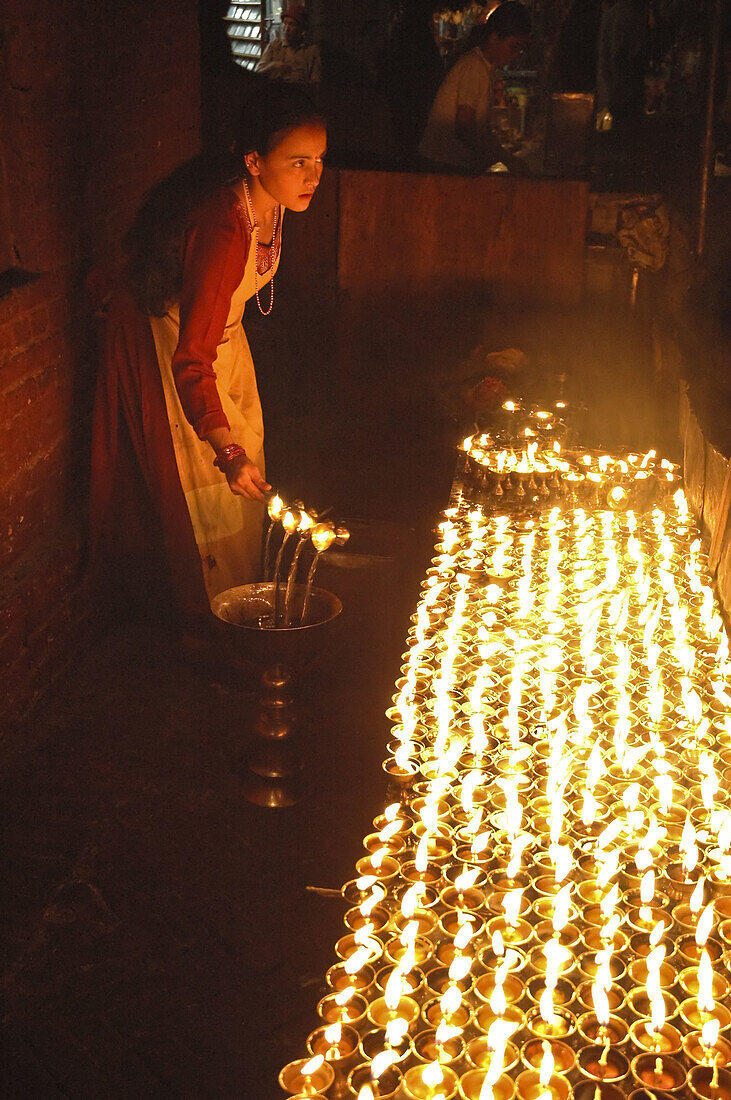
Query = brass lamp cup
x=432 y=1015
x=479 y=1054
x=688 y=953
x=588 y=966
x=428 y=899
x=598 y=1063
x=393 y=845
x=514 y=935
x=445 y=954
x=386 y=871
x=380 y=1015
x=694 y=1017
x=404 y=825
x=562 y=994
x=431 y=875
x=592 y=941
x=338 y=978
x=342 y=1055
x=423 y=948
x=633 y=900
x=452 y=920
x=512 y=987
x=352 y=1012
x=471 y=1084
x=528 y=1086
x=413 y=981
x=293 y=1081
x=488 y=960
x=500 y=880
x=637 y=974
x=645 y=918
x=721 y=886
x=661 y=1072
x=563 y=1027
x=484 y=1017
x=678 y=884
x=667 y=1040
x=355 y=919
x=587 y=1090
x=437 y=981
x=640 y=946
x=415 y=1088
x=615 y=996
x=564 y=1058
x=615 y=1032
x=346 y=947
x=536 y=963
x=495 y=902
x=544 y=908
x=425 y=1048
x=702 y=1086
x=568 y=936
x=471 y=899
x=699 y=1054
x=373 y=1042
x=425 y=919
x=688 y=983
x=386 y=1087
x=452 y=873
x=685 y=917
x=637 y=1005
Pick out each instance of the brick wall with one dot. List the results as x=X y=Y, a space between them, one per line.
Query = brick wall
x=97 y=102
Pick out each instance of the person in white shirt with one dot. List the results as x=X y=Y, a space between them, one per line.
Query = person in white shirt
x=458 y=133
x=289 y=58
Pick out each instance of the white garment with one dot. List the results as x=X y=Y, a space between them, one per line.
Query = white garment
x=469 y=83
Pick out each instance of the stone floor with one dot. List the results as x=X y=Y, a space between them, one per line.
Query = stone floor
x=158 y=937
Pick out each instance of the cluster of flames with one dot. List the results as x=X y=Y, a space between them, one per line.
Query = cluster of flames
x=561 y=839
x=532 y=458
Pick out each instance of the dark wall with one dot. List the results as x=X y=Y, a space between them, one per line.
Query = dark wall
x=97 y=102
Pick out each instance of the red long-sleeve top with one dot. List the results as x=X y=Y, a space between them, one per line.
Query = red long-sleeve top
x=215 y=250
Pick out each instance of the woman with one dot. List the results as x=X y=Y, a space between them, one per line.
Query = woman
x=177 y=452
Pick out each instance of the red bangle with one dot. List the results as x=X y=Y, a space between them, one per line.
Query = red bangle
x=228 y=454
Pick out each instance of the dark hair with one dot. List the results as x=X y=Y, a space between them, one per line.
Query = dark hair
x=507 y=20
x=154 y=242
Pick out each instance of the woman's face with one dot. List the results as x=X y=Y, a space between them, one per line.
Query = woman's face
x=291 y=170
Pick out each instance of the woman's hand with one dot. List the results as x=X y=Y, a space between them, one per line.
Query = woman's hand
x=245 y=479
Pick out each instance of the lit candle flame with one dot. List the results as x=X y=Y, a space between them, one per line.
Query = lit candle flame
x=710 y=1032
x=432 y=1075
x=333 y=1034
x=396 y=1030
x=421 y=858
x=511 y=906
x=466 y=879
x=382 y=1062
x=706 y=1002
x=450 y=1001
x=311 y=1067
x=459 y=968
x=647 y=887
x=704 y=926
x=547 y=1063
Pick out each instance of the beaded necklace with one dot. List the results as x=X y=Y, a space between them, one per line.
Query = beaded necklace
x=272 y=252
